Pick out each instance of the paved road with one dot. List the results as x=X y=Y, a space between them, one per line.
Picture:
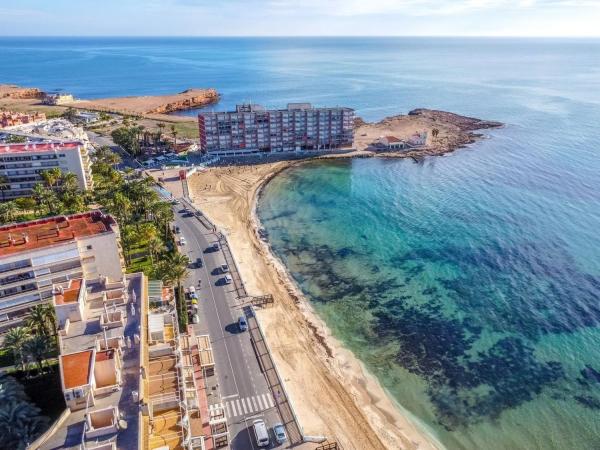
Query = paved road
x=127 y=160
x=243 y=388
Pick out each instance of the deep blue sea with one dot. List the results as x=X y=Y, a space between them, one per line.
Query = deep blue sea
x=468 y=284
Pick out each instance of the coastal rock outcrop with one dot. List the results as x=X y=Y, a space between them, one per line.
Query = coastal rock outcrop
x=193 y=98
x=20 y=93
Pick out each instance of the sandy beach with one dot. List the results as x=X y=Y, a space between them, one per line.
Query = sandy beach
x=344 y=402
x=332 y=393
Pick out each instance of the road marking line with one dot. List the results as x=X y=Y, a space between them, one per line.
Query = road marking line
x=255 y=403
x=271 y=402
x=239 y=406
x=247 y=401
x=264 y=401
x=230 y=396
x=227 y=410
x=215 y=304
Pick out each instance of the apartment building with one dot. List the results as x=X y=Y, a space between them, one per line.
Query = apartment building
x=12 y=118
x=37 y=254
x=22 y=164
x=252 y=129
x=99 y=330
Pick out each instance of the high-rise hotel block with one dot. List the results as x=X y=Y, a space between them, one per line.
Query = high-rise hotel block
x=21 y=165
x=252 y=129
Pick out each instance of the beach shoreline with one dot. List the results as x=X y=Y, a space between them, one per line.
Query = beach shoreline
x=346 y=403
x=359 y=413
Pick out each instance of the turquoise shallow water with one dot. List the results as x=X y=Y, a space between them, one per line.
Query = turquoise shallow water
x=468 y=284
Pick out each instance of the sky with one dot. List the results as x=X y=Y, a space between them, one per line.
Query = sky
x=300 y=17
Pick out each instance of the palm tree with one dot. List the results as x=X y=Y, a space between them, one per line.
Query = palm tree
x=174 y=268
x=163 y=215
x=14 y=339
x=38 y=347
x=20 y=420
x=42 y=320
x=8 y=211
x=161 y=127
x=155 y=246
x=3 y=185
x=174 y=134
x=47 y=199
x=51 y=176
x=120 y=206
x=69 y=181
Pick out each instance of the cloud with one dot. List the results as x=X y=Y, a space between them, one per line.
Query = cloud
x=414 y=7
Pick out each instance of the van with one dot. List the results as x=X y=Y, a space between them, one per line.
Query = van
x=261 y=433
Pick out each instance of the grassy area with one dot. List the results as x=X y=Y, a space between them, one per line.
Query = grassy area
x=140 y=260
x=27 y=106
x=188 y=130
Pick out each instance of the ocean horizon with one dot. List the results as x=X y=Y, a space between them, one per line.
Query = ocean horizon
x=468 y=284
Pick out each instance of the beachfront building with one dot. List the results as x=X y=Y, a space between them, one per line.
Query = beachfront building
x=36 y=255
x=252 y=129
x=418 y=139
x=21 y=165
x=99 y=330
x=58 y=98
x=392 y=143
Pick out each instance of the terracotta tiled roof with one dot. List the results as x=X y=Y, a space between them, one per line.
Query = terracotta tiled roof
x=76 y=368
x=69 y=294
x=53 y=230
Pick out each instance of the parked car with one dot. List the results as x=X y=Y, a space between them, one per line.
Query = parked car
x=198 y=263
x=261 y=433
x=228 y=279
x=195 y=318
x=224 y=268
x=215 y=247
x=194 y=301
x=279 y=432
x=242 y=323
x=176 y=229
x=182 y=241
x=192 y=290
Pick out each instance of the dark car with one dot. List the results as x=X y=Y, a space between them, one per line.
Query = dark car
x=198 y=263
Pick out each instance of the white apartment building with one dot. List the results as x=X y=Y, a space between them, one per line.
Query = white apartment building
x=35 y=255
x=21 y=165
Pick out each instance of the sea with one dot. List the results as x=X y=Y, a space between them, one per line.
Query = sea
x=468 y=284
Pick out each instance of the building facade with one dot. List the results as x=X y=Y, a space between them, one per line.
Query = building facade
x=21 y=165
x=35 y=255
x=252 y=129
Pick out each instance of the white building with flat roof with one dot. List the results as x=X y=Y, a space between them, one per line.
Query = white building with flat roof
x=35 y=255
x=22 y=164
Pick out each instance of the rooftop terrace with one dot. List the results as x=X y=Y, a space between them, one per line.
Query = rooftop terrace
x=113 y=417
x=33 y=235
x=38 y=147
x=70 y=294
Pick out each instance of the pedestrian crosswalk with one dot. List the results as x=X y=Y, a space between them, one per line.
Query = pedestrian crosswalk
x=244 y=406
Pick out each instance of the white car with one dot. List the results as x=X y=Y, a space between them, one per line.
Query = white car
x=228 y=279
x=182 y=241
